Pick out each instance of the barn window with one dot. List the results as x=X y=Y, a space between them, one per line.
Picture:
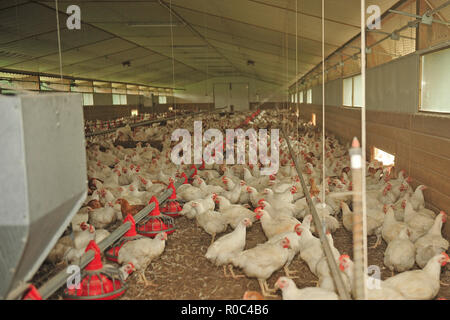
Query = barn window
x=309 y=96
x=435 y=95
x=162 y=99
x=88 y=99
x=352 y=96
x=386 y=158
x=119 y=99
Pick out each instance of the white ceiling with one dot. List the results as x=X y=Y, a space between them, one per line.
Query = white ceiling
x=218 y=38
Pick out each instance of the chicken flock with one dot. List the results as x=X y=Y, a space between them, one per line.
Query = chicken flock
x=122 y=180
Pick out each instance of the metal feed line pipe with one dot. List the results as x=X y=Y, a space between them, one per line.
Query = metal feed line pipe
x=144 y=123
x=335 y=272
x=47 y=289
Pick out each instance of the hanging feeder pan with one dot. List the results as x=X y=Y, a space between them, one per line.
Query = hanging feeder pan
x=152 y=225
x=191 y=178
x=155 y=222
x=112 y=253
x=98 y=282
x=32 y=294
x=172 y=206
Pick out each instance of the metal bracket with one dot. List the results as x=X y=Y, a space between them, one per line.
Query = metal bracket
x=428 y=20
x=395 y=36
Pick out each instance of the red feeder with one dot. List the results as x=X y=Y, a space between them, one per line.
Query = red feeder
x=113 y=253
x=98 y=283
x=183 y=175
x=156 y=222
x=193 y=167
x=172 y=206
x=32 y=294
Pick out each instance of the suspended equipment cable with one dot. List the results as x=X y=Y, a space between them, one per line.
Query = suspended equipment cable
x=363 y=136
x=59 y=40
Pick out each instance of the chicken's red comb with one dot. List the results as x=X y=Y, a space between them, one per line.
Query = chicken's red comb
x=344 y=256
x=446 y=258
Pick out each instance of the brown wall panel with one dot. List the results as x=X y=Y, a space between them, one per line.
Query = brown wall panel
x=420 y=142
x=433 y=162
x=431 y=124
x=431 y=144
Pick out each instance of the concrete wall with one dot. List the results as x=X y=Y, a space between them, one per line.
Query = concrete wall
x=259 y=91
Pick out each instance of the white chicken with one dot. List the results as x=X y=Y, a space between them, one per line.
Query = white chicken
x=294 y=246
x=291 y=292
x=273 y=226
x=417 y=200
x=263 y=260
x=400 y=253
x=141 y=252
x=391 y=227
x=233 y=213
x=211 y=221
x=223 y=249
x=310 y=249
x=102 y=217
x=189 y=193
x=432 y=242
x=380 y=291
x=418 y=222
x=81 y=216
x=420 y=284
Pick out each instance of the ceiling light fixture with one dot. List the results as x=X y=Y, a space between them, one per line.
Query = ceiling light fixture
x=155 y=24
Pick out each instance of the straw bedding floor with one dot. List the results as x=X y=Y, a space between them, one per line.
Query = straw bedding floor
x=183 y=272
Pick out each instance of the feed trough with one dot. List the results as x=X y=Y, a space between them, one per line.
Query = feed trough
x=99 y=282
x=155 y=222
x=43 y=159
x=172 y=207
x=112 y=253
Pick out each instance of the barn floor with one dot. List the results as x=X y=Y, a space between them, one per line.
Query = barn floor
x=182 y=272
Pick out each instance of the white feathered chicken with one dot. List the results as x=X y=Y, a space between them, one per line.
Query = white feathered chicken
x=138 y=254
x=291 y=292
x=263 y=260
x=223 y=249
